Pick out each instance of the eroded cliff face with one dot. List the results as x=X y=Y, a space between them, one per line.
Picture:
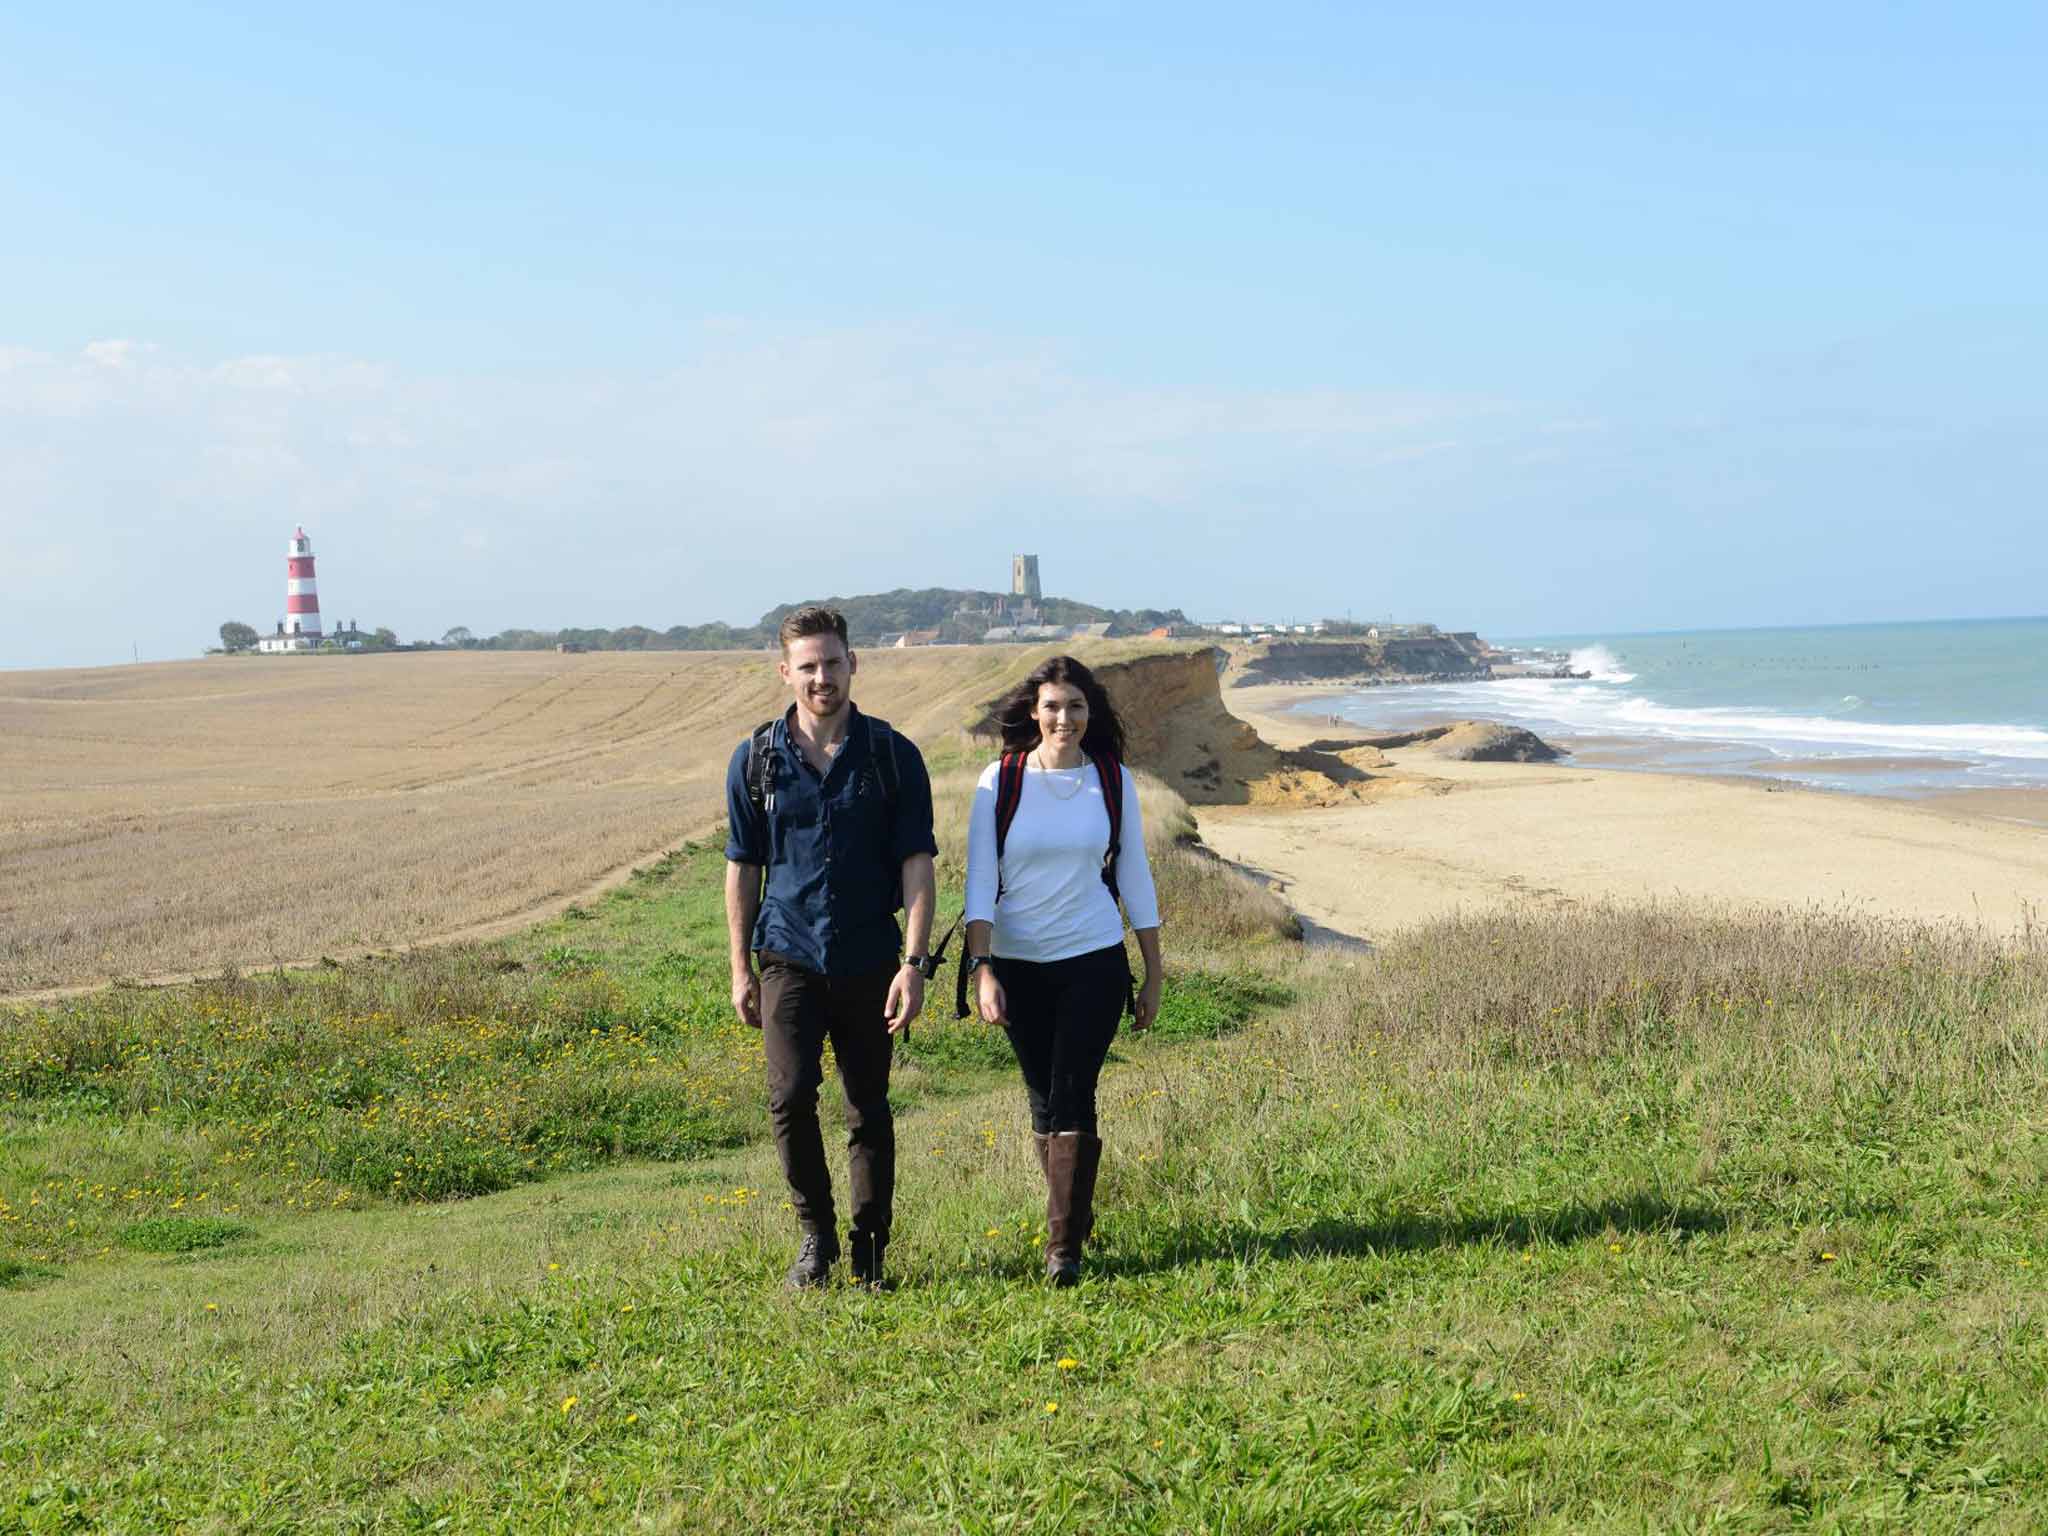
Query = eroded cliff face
x=1175 y=726
x=1286 y=661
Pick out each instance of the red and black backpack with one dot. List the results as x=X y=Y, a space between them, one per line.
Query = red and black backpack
x=1009 y=795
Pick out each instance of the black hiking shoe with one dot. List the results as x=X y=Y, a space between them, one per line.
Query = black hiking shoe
x=867 y=1259
x=814 y=1261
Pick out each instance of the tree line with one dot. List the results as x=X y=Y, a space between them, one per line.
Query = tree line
x=955 y=615
x=236 y=636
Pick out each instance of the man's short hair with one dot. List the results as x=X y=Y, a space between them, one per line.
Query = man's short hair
x=813 y=620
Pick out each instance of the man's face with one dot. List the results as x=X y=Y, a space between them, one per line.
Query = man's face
x=818 y=667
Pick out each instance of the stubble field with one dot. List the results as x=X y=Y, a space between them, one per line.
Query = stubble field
x=190 y=817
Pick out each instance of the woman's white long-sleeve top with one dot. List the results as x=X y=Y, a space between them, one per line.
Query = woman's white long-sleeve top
x=1054 y=904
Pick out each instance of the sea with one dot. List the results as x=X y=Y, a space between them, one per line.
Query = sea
x=1891 y=709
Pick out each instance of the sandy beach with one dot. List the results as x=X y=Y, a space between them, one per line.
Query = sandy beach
x=1480 y=835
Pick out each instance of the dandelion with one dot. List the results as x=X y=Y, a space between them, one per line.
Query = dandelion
x=1068 y=1363
x=632 y=1418
x=1614 y=1247
x=212 y=1306
x=993 y=1232
x=553 y=1267
x=627 y=1307
x=1051 y=1406
x=1827 y=1258
x=569 y=1403
x=1519 y=1397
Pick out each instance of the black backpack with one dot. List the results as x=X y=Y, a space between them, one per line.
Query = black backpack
x=882 y=773
x=882 y=769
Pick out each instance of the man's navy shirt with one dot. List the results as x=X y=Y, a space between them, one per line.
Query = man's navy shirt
x=833 y=851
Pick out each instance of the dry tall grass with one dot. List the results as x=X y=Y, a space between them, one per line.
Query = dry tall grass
x=1615 y=1072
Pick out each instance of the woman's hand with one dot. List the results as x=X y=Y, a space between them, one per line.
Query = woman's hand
x=988 y=993
x=1147 y=1005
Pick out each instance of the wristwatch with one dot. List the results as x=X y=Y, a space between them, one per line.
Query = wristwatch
x=920 y=961
x=975 y=962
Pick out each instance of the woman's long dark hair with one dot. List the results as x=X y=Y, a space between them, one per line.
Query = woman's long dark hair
x=1018 y=713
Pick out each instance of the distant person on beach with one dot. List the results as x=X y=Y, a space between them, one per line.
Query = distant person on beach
x=830 y=818
x=1054 y=841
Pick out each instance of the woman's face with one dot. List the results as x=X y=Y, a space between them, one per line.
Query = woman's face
x=1062 y=715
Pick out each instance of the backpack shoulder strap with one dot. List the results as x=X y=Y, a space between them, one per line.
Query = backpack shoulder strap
x=1009 y=795
x=761 y=767
x=1111 y=772
x=882 y=759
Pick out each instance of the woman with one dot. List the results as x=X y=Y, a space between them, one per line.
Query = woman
x=1046 y=863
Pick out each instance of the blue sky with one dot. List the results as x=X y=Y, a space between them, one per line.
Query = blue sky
x=612 y=314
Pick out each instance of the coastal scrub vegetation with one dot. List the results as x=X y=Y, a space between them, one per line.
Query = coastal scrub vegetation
x=1620 y=1218
x=954 y=616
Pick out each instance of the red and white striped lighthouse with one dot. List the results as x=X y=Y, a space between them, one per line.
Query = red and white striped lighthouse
x=301 y=595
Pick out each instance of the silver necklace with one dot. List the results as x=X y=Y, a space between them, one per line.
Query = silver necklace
x=1061 y=788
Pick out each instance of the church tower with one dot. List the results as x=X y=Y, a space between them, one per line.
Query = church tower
x=1024 y=577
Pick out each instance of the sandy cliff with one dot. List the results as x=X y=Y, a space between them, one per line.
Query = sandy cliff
x=1176 y=727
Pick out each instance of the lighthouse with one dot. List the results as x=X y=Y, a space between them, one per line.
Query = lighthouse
x=301 y=595
x=299 y=629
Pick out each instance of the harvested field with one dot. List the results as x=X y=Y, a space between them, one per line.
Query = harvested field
x=187 y=817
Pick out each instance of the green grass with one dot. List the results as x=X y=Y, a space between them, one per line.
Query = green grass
x=605 y=1035
x=1621 y=1220
x=180 y=1234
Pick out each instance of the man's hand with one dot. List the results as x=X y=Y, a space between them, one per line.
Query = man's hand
x=988 y=993
x=906 y=998
x=1147 y=1008
x=746 y=998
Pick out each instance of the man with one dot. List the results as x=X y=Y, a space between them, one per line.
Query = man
x=836 y=809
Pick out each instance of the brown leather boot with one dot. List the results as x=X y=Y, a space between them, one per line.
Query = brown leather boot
x=1071 y=1164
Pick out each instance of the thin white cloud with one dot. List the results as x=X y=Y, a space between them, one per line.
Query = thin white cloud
x=759 y=469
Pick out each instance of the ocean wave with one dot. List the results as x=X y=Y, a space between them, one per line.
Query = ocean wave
x=1605 y=666
x=1579 y=710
